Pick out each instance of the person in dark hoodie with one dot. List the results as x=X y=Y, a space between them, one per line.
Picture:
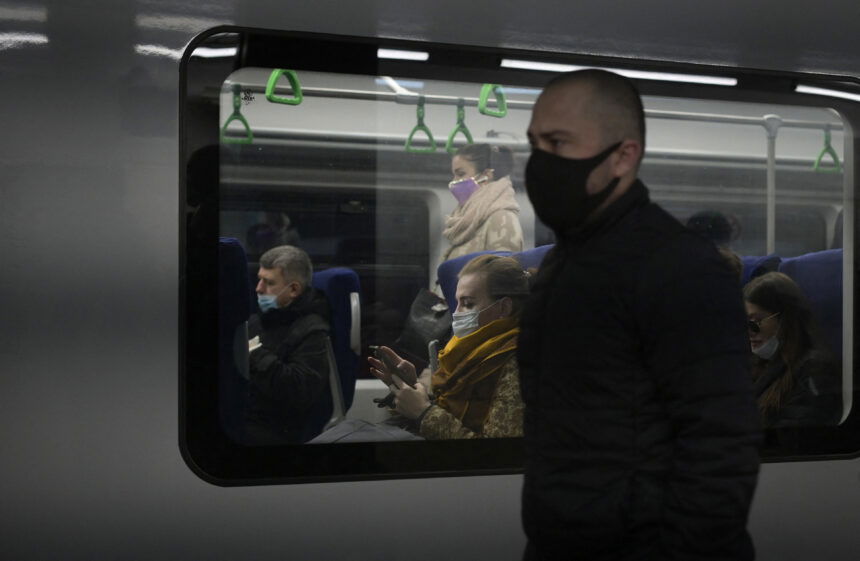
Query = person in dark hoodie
x=640 y=427
x=289 y=359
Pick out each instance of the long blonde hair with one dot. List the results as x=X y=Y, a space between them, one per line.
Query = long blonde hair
x=504 y=276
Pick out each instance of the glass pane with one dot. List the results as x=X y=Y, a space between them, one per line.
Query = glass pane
x=332 y=176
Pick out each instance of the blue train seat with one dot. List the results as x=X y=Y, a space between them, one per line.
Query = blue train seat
x=234 y=308
x=819 y=276
x=342 y=288
x=754 y=266
x=448 y=271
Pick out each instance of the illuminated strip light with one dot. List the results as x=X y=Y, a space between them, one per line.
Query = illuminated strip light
x=171 y=22
x=18 y=40
x=158 y=50
x=827 y=92
x=414 y=84
x=213 y=52
x=635 y=74
x=10 y=13
x=395 y=87
x=402 y=55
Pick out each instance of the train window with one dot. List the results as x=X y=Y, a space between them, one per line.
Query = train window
x=344 y=150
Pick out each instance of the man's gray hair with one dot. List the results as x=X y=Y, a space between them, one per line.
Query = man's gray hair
x=293 y=262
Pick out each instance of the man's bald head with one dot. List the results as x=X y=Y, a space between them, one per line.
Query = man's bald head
x=610 y=100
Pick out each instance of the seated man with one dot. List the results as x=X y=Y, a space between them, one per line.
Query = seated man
x=289 y=361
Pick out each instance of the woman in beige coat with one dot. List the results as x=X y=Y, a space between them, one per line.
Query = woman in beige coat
x=487 y=216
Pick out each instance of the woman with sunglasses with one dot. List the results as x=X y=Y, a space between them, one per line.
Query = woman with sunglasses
x=795 y=379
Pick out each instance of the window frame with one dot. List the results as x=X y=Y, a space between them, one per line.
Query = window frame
x=205 y=447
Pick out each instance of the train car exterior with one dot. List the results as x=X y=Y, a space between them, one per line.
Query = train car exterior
x=90 y=402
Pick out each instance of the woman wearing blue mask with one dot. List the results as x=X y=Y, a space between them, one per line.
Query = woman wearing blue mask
x=474 y=393
x=487 y=213
x=795 y=379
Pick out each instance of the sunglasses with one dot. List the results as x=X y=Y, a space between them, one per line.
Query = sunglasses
x=754 y=325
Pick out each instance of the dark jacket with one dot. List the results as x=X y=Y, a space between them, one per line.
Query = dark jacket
x=641 y=430
x=290 y=372
x=815 y=398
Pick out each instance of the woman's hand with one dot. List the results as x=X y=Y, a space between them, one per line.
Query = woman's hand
x=390 y=364
x=409 y=402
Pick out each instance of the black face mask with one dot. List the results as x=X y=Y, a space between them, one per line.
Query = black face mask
x=556 y=188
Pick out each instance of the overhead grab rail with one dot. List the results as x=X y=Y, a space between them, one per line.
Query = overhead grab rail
x=237 y=116
x=827 y=151
x=412 y=99
x=459 y=128
x=295 y=86
x=420 y=127
x=501 y=102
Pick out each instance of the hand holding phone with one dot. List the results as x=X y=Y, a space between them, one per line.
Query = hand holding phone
x=386 y=363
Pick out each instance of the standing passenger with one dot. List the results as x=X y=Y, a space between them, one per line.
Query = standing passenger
x=487 y=216
x=640 y=428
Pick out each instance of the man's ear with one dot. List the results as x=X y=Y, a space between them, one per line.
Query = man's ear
x=629 y=154
x=294 y=289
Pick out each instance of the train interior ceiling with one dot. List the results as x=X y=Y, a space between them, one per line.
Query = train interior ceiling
x=333 y=174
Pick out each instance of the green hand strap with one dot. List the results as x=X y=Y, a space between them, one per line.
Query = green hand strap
x=294 y=84
x=420 y=127
x=237 y=116
x=827 y=151
x=501 y=103
x=460 y=128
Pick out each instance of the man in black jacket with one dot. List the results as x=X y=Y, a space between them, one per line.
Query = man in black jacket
x=641 y=431
x=289 y=359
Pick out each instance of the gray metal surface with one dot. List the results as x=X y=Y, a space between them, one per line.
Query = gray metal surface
x=89 y=459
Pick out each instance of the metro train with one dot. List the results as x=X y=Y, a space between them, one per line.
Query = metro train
x=139 y=133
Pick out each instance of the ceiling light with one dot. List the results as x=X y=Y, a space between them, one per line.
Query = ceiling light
x=402 y=55
x=635 y=74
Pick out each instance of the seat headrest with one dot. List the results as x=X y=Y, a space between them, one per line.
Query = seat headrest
x=448 y=271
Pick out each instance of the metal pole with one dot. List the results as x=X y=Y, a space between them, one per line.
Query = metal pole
x=771 y=125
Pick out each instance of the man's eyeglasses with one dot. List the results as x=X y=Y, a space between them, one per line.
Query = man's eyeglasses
x=754 y=325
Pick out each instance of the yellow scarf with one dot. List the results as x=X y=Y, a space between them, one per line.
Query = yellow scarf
x=469 y=368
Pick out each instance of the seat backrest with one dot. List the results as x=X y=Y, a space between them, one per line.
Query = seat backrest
x=754 y=266
x=448 y=271
x=342 y=289
x=819 y=276
x=234 y=308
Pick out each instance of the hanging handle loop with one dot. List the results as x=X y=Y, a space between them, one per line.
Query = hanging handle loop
x=294 y=84
x=460 y=128
x=827 y=151
x=237 y=116
x=420 y=127
x=501 y=103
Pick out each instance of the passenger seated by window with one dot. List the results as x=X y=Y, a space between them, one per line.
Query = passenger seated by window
x=288 y=363
x=474 y=392
x=796 y=380
x=487 y=213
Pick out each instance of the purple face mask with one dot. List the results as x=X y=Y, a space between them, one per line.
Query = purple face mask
x=463 y=189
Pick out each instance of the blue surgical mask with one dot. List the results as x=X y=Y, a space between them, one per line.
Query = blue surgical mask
x=767 y=349
x=466 y=323
x=269 y=302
